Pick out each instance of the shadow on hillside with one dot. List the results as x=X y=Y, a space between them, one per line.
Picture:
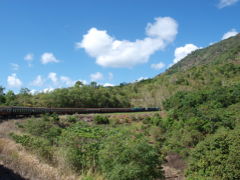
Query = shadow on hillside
x=8 y=174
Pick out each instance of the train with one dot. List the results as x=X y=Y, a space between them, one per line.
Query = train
x=31 y=111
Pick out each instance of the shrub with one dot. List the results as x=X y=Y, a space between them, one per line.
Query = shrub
x=37 y=145
x=125 y=156
x=194 y=115
x=81 y=143
x=43 y=127
x=217 y=157
x=101 y=119
x=54 y=118
x=36 y=127
x=155 y=120
x=72 y=119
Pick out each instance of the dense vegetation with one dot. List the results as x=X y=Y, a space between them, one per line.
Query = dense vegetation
x=117 y=152
x=79 y=95
x=217 y=157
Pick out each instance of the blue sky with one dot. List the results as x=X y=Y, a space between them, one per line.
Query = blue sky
x=46 y=44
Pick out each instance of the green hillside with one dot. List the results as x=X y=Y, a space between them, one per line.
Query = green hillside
x=217 y=65
x=226 y=50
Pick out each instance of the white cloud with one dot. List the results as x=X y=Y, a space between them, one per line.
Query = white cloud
x=39 y=81
x=33 y=91
x=29 y=58
x=53 y=77
x=182 y=52
x=141 y=78
x=48 y=58
x=14 y=66
x=108 y=85
x=110 y=52
x=211 y=43
x=164 y=28
x=158 y=66
x=62 y=81
x=96 y=76
x=231 y=33
x=14 y=81
x=47 y=90
x=110 y=76
x=225 y=3
x=67 y=81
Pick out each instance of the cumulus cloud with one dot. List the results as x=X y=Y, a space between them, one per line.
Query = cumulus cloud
x=39 y=81
x=158 y=66
x=67 y=81
x=110 y=52
x=53 y=77
x=33 y=91
x=47 y=90
x=14 y=81
x=231 y=33
x=225 y=3
x=182 y=52
x=48 y=58
x=61 y=81
x=96 y=76
x=108 y=85
x=14 y=66
x=110 y=76
x=141 y=78
x=29 y=58
x=164 y=28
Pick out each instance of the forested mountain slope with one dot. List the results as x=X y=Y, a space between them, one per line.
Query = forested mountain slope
x=216 y=65
x=226 y=50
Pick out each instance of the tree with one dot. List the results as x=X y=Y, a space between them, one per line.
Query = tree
x=24 y=97
x=125 y=155
x=78 y=84
x=24 y=91
x=93 y=84
x=217 y=157
x=10 y=98
x=2 y=95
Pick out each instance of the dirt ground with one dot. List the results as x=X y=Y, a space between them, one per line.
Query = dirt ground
x=174 y=168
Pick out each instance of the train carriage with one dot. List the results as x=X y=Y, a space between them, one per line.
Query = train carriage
x=4 y=111
x=26 y=111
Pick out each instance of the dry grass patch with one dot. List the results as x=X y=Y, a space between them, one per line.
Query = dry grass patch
x=15 y=157
x=7 y=127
